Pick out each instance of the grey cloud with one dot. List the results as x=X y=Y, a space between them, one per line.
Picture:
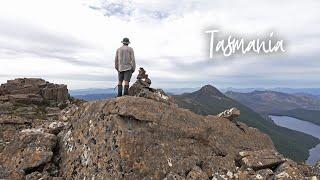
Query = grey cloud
x=41 y=43
x=84 y=77
x=178 y=63
x=159 y=14
x=45 y=53
x=265 y=71
x=69 y=76
x=116 y=9
x=259 y=74
x=32 y=34
x=120 y=9
x=125 y=9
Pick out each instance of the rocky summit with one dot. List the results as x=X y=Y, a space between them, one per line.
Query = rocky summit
x=135 y=137
x=32 y=91
x=142 y=136
x=28 y=103
x=31 y=115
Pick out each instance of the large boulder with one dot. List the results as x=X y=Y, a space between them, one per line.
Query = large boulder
x=9 y=126
x=58 y=93
x=230 y=114
x=288 y=170
x=136 y=138
x=261 y=159
x=33 y=99
x=30 y=151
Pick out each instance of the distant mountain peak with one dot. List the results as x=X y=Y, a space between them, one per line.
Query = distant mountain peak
x=209 y=90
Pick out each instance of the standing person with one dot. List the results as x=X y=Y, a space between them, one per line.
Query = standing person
x=125 y=65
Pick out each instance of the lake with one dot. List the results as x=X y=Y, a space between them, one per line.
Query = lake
x=302 y=126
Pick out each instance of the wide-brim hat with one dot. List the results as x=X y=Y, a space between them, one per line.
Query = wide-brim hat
x=125 y=41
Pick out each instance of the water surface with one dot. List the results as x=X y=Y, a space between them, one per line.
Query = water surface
x=302 y=126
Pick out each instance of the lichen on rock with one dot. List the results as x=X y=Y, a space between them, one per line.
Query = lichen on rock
x=131 y=142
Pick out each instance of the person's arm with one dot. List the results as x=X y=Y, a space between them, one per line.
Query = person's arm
x=116 y=62
x=133 y=61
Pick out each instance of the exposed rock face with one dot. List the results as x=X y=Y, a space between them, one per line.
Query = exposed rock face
x=29 y=103
x=28 y=151
x=33 y=91
x=144 y=136
x=29 y=114
x=25 y=98
x=288 y=170
x=9 y=125
x=261 y=159
x=230 y=114
x=140 y=138
x=119 y=139
x=32 y=153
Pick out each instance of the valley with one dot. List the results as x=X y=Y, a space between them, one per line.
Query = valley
x=302 y=126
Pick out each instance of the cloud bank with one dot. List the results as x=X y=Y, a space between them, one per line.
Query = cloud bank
x=74 y=41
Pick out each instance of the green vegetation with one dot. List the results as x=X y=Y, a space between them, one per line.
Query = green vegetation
x=302 y=114
x=292 y=144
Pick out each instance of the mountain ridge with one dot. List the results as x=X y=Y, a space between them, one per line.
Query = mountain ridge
x=291 y=143
x=267 y=102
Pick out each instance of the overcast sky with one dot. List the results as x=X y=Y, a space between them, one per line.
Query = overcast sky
x=74 y=41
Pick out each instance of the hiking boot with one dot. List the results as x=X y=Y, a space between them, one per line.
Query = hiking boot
x=126 y=90
x=119 y=90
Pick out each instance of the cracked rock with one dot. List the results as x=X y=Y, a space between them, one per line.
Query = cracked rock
x=28 y=151
x=261 y=159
